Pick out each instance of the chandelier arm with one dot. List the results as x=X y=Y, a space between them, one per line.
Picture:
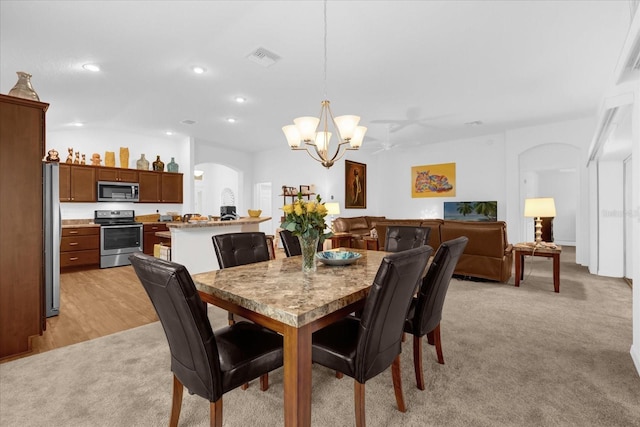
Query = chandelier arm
x=317 y=159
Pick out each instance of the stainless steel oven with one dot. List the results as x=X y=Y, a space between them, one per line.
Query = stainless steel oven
x=120 y=236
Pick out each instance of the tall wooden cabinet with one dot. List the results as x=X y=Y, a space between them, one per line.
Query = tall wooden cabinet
x=22 y=145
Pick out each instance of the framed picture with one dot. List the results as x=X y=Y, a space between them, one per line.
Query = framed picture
x=471 y=211
x=433 y=180
x=355 y=185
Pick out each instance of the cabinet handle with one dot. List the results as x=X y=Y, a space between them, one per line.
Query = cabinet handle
x=75 y=258
x=73 y=232
x=73 y=243
x=154 y=228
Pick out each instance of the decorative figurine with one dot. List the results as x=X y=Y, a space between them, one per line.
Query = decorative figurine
x=95 y=159
x=52 y=156
x=84 y=160
x=70 y=156
x=76 y=161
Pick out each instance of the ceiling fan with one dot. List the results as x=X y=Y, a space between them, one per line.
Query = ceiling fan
x=413 y=118
x=387 y=145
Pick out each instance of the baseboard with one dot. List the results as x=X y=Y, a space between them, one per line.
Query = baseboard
x=635 y=356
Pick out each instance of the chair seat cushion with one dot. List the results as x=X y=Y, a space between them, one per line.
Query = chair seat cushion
x=335 y=345
x=247 y=351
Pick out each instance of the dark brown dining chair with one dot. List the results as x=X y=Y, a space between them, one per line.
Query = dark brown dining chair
x=207 y=364
x=291 y=243
x=403 y=237
x=234 y=249
x=425 y=311
x=362 y=348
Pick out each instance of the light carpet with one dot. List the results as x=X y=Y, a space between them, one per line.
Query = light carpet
x=514 y=357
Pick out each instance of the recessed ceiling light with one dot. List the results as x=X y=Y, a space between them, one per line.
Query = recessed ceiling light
x=240 y=99
x=198 y=70
x=231 y=120
x=188 y=122
x=77 y=124
x=91 y=67
x=474 y=123
x=168 y=133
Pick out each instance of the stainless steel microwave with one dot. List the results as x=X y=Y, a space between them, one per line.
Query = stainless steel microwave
x=109 y=191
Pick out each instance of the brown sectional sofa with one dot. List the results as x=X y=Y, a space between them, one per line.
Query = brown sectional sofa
x=488 y=255
x=358 y=226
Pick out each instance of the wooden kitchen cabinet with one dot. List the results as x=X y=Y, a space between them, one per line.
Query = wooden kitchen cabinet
x=150 y=238
x=80 y=247
x=117 y=174
x=22 y=148
x=160 y=187
x=77 y=183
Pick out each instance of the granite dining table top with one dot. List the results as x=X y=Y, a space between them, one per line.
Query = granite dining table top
x=280 y=290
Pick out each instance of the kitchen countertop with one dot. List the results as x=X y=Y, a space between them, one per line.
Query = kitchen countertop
x=217 y=223
x=78 y=223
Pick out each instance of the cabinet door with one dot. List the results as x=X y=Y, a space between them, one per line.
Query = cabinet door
x=128 y=175
x=83 y=184
x=150 y=238
x=172 y=187
x=149 y=187
x=65 y=182
x=107 y=174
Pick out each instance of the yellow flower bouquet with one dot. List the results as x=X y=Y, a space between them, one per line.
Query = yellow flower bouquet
x=306 y=218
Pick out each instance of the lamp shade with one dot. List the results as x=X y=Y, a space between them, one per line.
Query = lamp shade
x=307 y=127
x=539 y=207
x=347 y=126
x=333 y=208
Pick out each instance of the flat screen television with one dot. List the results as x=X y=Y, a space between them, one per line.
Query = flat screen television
x=471 y=211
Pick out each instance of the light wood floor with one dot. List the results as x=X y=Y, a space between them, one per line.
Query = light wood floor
x=94 y=303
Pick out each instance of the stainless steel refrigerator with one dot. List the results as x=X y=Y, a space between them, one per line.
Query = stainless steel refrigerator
x=52 y=234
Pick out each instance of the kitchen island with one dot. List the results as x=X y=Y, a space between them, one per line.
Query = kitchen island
x=192 y=246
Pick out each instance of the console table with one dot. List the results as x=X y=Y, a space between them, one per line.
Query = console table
x=522 y=249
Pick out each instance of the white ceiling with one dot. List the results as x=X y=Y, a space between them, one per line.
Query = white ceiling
x=429 y=65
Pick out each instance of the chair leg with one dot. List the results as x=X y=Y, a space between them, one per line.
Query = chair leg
x=430 y=338
x=417 y=361
x=244 y=386
x=176 y=403
x=230 y=318
x=397 y=383
x=339 y=375
x=359 y=403
x=264 y=382
x=215 y=413
x=438 y=343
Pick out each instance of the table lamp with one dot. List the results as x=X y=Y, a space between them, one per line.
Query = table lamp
x=333 y=209
x=537 y=208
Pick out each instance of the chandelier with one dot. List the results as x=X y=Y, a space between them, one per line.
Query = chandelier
x=313 y=134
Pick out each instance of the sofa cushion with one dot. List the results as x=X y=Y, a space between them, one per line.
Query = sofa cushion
x=485 y=238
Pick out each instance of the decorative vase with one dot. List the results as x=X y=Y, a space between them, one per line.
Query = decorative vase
x=158 y=165
x=309 y=246
x=124 y=157
x=142 y=163
x=110 y=159
x=23 y=88
x=172 y=166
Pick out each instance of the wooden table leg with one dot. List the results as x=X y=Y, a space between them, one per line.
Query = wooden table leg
x=297 y=376
x=519 y=267
x=556 y=272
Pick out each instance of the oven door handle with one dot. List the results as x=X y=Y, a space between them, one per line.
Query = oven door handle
x=122 y=226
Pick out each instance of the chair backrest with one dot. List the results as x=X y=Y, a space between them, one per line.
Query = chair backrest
x=194 y=352
x=291 y=243
x=233 y=249
x=435 y=285
x=385 y=310
x=403 y=237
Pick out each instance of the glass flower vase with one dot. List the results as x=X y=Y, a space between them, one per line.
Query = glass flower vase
x=309 y=246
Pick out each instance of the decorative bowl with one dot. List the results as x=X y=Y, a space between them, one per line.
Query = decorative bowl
x=338 y=257
x=254 y=213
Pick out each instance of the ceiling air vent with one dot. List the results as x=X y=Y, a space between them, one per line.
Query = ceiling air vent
x=262 y=56
x=188 y=122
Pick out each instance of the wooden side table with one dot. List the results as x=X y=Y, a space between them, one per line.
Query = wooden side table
x=371 y=243
x=341 y=240
x=522 y=249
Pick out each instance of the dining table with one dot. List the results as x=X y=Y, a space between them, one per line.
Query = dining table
x=278 y=295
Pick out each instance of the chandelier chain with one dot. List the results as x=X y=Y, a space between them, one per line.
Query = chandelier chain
x=325 y=49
